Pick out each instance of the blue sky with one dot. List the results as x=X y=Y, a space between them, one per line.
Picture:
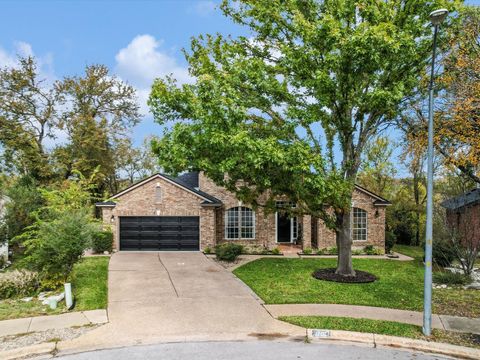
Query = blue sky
x=138 y=40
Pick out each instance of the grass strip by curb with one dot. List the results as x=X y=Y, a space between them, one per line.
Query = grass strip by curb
x=390 y=328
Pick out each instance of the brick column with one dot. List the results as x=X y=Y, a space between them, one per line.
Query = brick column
x=207 y=227
x=306 y=231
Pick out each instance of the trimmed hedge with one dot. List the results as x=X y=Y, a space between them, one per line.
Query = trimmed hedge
x=228 y=252
x=102 y=241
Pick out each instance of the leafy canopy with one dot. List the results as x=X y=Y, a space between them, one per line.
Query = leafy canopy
x=270 y=109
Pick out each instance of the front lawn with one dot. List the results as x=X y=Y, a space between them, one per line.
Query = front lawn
x=381 y=327
x=289 y=281
x=89 y=284
x=399 y=285
x=415 y=252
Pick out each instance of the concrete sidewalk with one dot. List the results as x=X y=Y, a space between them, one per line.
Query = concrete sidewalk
x=62 y=321
x=443 y=322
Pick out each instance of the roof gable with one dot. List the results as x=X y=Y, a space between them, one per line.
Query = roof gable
x=379 y=201
x=207 y=198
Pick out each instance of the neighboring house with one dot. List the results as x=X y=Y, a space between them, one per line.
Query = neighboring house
x=3 y=242
x=192 y=213
x=463 y=214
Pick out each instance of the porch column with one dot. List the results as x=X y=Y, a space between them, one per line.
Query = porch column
x=306 y=231
x=207 y=227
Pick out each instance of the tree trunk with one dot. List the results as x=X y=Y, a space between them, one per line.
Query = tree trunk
x=344 y=244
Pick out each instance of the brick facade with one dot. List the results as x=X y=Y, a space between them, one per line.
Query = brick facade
x=326 y=238
x=174 y=201
x=179 y=201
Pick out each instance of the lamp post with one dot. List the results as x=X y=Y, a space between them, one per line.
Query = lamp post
x=436 y=17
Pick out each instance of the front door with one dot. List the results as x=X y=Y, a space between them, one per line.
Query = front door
x=284 y=224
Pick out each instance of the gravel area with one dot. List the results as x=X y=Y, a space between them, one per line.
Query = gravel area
x=21 y=340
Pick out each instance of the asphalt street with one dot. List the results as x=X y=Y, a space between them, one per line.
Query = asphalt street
x=265 y=350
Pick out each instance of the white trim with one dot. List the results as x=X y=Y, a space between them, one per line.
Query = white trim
x=161 y=177
x=365 y=191
x=366 y=225
x=110 y=205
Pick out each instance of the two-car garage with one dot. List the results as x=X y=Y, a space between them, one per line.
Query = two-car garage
x=159 y=233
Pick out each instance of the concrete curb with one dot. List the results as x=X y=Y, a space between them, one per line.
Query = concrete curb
x=29 y=351
x=375 y=340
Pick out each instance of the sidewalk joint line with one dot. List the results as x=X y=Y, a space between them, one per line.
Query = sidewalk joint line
x=29 y=324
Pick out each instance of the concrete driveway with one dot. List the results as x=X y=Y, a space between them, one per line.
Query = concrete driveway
x=178 y=296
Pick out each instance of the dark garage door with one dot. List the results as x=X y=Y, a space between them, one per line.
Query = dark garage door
x=159 y=233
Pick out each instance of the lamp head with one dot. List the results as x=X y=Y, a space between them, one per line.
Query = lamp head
x=438 y=16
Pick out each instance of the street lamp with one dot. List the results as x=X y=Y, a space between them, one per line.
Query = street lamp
x=436 y=17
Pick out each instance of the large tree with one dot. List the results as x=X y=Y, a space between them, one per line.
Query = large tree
x=290 y=107
x=457 y=110
x=28 y=116
x=99 y=109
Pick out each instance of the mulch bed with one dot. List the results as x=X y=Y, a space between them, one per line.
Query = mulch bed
x=328 y=274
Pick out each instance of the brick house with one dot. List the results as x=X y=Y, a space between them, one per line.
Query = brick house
x=463 y=214
x=191 y=212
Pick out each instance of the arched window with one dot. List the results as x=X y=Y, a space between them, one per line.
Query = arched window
x=239 y=223
x=359 y=224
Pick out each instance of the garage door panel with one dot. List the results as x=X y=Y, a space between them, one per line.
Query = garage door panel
x=159 y=233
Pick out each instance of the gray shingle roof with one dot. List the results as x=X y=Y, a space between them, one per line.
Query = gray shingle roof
x=471 y=197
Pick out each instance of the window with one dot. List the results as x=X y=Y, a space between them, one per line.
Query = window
x=240 y=223
x=359 y=224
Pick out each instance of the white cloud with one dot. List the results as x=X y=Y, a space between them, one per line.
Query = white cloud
x=24 y=49
x=204 y=8
x=142 y=60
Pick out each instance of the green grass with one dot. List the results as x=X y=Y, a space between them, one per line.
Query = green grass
x=399 y=286
x=415 y=252
x=391 y=328
x=360 y=325
x=89 y=284
x=289 y=281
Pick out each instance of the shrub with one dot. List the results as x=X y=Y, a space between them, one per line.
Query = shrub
x=321 y=251
x=207 y=250
x=307 y=251
x=228 y=252
x=276 y=251
x=332 y=251
x=451 y=278
x=357 y=252
x=443 y=253
x=55 y=246
x=102 y=241
x=390 y=241
x=18 y=283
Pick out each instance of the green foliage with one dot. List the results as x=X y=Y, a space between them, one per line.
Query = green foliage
x=372 y=250
x=276 y=251
x=307 y=251
x=451 y=278
x=332 y=250
x=58 y=244
x=228 y=252
x=102 y=241
x=17 y=283
x=443 y=253
x=24 y=199
x=357 y=252
x=207 y=250
x=257 y=102
x=390 y=241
